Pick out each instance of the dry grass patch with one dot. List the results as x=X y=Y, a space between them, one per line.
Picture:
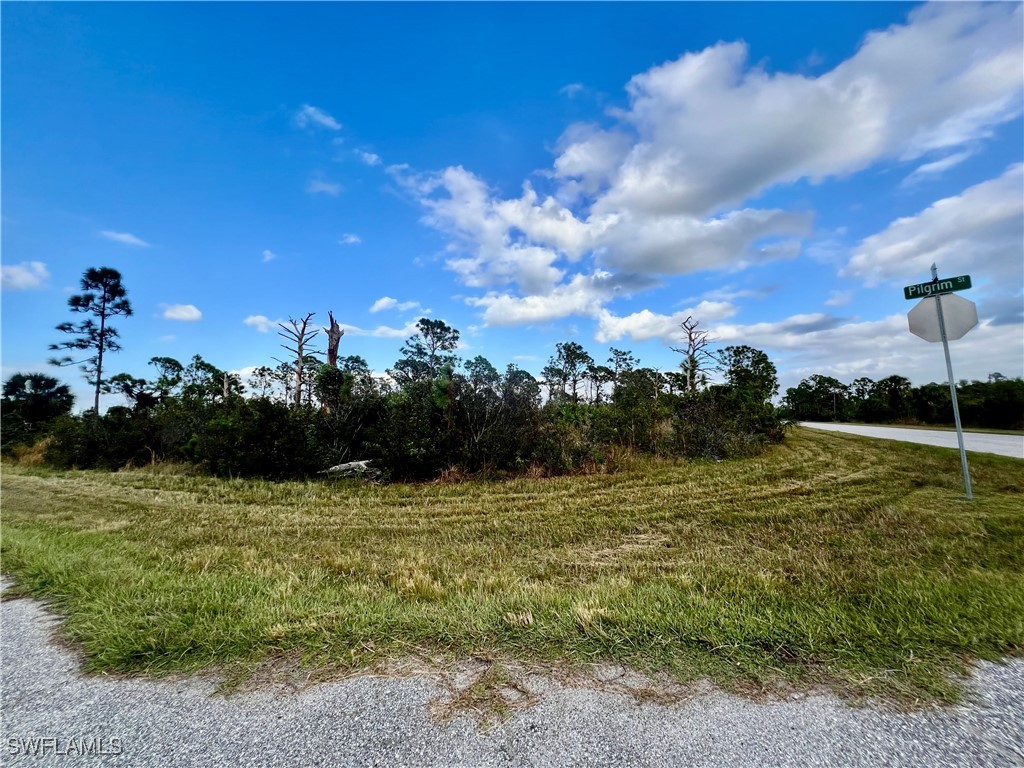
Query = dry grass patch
x=830 y=559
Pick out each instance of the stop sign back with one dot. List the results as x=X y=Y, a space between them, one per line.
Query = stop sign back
x=959 y=315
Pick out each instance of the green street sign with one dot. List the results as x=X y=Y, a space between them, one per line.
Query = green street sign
x=935 y=287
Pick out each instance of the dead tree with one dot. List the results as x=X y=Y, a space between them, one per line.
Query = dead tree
x=697 y=358
x=300 y=335
x=334 y=334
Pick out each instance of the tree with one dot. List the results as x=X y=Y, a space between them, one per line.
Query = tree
x=334 y=334
x=567 y=370
x=31 y=403
x=300 y=335
x=139 y=392
x=621 y=362
x=698 y=360
x=893 y=394
x=818 y=398
x=104 y=297
x=428 y=353
x=750 y=372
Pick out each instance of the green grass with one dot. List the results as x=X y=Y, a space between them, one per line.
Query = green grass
x=830 y=559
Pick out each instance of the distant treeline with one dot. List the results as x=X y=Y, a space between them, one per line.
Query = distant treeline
x=432 y=414
x=997 y=403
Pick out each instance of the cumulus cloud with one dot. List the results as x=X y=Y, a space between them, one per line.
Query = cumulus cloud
x=368 y=158
x=24 y=276
x=261 y=323
x=582 y=295
x=126 y=238
x=185 y=312
x=668 y=184
x=350 y=239
x=713 y=131
x=981 y=229
x=681 y=244
x=646 y=325
x=382 y=331
x=320 y=186
x=310 y=116
x=268 y=256
x=878 y=348
x=386 y=303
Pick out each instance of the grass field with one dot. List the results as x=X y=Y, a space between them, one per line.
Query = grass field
x=831 y=559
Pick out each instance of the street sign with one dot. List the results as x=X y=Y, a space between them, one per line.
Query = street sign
x=959 y=314
x=935 y=287
x=941 y=317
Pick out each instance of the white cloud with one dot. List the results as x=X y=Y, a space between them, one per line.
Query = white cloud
x=166 y=339
x=664 y=188
x=127 y=238
x=350 y=239
x=320 y=186
x=244 y=373
x=268 y=256
x=582 y=295
x=839 y=298
x=979 y=230
x=645 y=325
x=24 y=276
x=386 y=303
x=383 y=331
x=312 y=116
x=261 y=323
x=805 y=345
x=185 y=312
x=935 y=168
x=369 y=158
x=713 y=131
x=682 y=244
x=572 y=89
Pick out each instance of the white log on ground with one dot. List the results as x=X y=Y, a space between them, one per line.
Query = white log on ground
x=351 y=469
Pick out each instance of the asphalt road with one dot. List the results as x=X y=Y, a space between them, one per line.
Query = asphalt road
x=48 y=707
x=1004 y=445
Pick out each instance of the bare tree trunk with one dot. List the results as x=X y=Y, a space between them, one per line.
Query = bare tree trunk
x=334 y=334
x=697 y=358
x=300 y=334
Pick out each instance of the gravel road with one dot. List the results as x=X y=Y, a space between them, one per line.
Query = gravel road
x=380 y=721
x=1004 y=445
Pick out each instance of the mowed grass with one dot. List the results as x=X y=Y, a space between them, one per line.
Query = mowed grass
x=831 y=559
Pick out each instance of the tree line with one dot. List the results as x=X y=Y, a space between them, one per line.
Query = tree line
x=997 y=403
x=432 y=413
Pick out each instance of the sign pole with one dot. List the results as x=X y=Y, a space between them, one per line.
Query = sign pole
x=952 y=391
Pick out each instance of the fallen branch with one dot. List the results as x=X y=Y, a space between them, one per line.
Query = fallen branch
x=351 y=469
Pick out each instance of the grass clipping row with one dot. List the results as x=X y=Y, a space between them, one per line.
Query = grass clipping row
x=830 y=560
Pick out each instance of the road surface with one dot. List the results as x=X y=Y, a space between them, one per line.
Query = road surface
x=1004 y=445
x=49 y=708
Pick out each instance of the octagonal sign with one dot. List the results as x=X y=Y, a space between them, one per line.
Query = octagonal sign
x=958 y=313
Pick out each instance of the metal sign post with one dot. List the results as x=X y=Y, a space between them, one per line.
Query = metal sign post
x=952 y=391
x=922 y=323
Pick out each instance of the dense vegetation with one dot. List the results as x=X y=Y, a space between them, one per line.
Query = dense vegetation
x=433 y=413
x=995 y=404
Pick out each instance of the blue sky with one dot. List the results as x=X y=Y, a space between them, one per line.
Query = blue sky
x=529 y=173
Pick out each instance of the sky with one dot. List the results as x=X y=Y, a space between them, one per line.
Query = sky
x=529 y=173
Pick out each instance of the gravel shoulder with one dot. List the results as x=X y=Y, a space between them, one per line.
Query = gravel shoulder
x=1002 y=445
x=372 y=720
